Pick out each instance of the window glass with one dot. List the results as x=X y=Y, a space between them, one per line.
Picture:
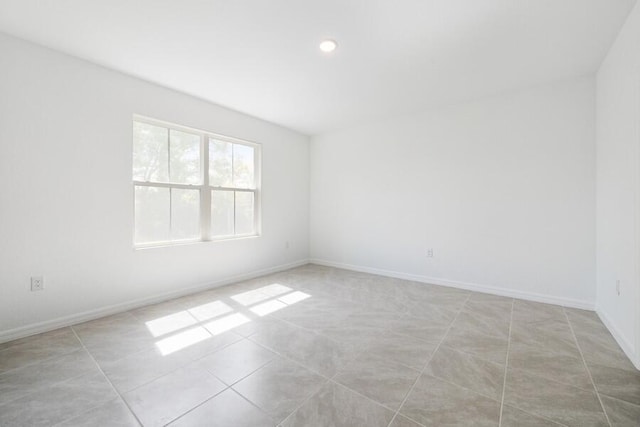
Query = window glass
x=152 y=218
x=222 y=216
x=244 y=212
x=184 y=166
x=150 y=153
x=185 y=214
x=220 y=163
x=243 y=166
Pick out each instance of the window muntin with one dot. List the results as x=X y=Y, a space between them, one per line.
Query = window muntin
x=191 y=185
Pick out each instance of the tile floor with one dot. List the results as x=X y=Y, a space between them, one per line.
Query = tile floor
x=317 y=346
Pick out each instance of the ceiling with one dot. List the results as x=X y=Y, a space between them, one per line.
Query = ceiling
x=261 y=57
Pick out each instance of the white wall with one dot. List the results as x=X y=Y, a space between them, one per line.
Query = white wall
x=618 y=187
x=502 y=189
x=66 y=198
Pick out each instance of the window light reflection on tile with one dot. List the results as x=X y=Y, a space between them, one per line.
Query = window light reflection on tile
x=275 y=289
x=226 y=323
x=219 y=316
x=293 y=297
x=250 y=297
x=210 y=310
x=182 y=340
x=267 y=307
x=170 y=323
x=261 y=294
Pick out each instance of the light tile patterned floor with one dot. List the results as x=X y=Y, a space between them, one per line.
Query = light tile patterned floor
x=317 y=346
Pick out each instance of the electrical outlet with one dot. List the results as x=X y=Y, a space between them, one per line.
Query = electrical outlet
x=430 y=253
x=618 y=287
x=37 y=283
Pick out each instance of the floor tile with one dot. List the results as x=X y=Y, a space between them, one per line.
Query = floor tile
x=114 y=325
x=237 y=360
x=352 y=338
x=554 y=337
x=620 y=413
x=403 y=349
x=111 y=414
x=22 y=381
x=484 y=323
x=117 y=346
x=378 y=319
x=534 y=312
x=149 y=313
x=434 y=402
x=497 y=309
x=259 y=324
x=315 y=351
x=38 y=349
x=197 y=350
x=623 y=384
x=467 y=371
x=279 y=387
x=583 y=320
x=140 y=368
x=547 y=364
x=166 y=398
x=382 y=380
x=39 y=340
x=437 y=314
x=488 y=347
x=418 y=328
x=512 y=417
x=600 y=348
x=337 y=406
x=558 y=402
x=490 y=298
x=310 y=318
x=227 y=409
x=58 y=402
x=402 y=421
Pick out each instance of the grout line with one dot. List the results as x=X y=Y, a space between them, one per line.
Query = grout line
x=444 y=380
x=188 y=362
x=506 y=365
x=305 y=400
x=107 y=378
x=43 y=387
x=207 y=400
x=247 y=375
x=575 y=338
x=227 y=386
x=45 y=360
x=364 y=397
x=429 y=360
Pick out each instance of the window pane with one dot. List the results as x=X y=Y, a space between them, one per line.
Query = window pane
x=150 y=153
x=185 y=157
x=152 y=214
x=185 y=214
x=243 y=166
x=221 y=213
x=220 y=163
x=244 y=212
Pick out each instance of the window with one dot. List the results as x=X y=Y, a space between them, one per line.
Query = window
x=191 y=185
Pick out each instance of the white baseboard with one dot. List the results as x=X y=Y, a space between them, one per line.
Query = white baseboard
x=622 y=341
x=531 y=296
x=60 y=322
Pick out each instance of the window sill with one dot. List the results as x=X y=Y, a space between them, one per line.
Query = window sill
x=192 y=242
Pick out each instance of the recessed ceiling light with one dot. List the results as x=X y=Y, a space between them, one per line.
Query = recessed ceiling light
x=328 y=45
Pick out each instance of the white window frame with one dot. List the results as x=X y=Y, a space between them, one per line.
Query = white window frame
x=204 y=188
